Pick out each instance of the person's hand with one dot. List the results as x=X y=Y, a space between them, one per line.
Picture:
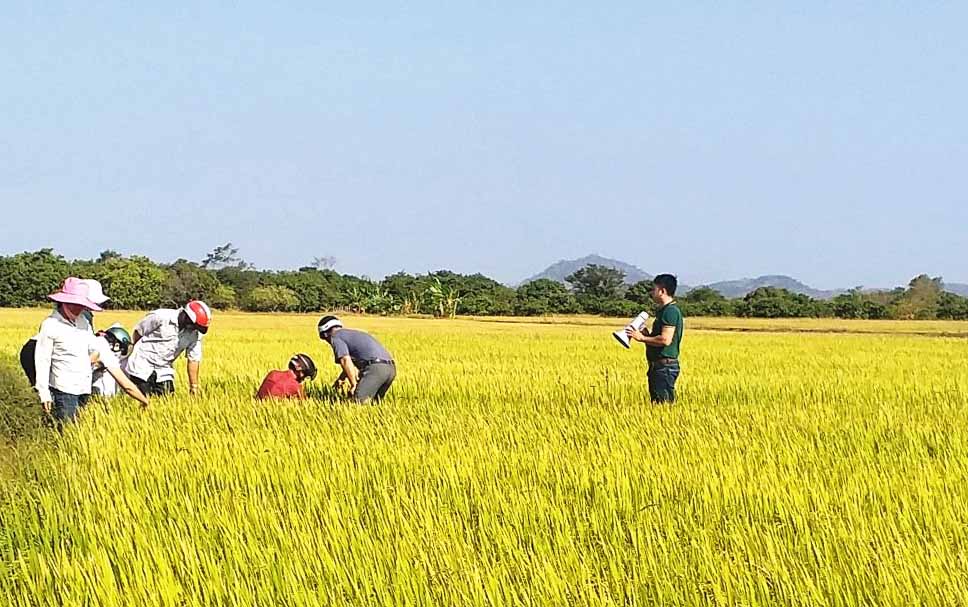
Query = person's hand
x=194 y=389
x=338 y=383
x=634 y=334
x=48 y=407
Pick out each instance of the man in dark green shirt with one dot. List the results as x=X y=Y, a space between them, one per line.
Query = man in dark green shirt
x=662 y=342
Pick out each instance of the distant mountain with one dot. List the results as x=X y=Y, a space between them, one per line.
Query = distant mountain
x=566 y=267
x=729 y=288
x=956 y=288
x=740 y=288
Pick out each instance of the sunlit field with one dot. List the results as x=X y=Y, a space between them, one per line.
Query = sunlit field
x=515 y=463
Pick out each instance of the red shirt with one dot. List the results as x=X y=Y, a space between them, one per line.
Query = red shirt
x=280 y=384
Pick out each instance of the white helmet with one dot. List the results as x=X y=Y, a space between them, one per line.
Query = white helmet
x=199 y=313
x=328 y=323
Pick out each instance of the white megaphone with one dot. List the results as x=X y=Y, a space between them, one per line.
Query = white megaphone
x=638 y=323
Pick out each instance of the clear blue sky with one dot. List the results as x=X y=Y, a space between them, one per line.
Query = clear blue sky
x=823 y=140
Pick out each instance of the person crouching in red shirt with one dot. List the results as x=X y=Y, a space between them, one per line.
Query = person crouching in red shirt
x=288 y=384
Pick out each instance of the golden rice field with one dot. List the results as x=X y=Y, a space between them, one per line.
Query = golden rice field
x=515 y=464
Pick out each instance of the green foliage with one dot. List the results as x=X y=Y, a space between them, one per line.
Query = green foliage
x=368 y=298
x=594 y=282
x=20 y=414
x=445 y=299
x=952 y=307
x=599 y=290
x=771 y=302
x=108 y=255
x=920 y=301
x=242 y=280
x=856 y=304
x=223 y=298
x=224 y=256
x=139 y=283
x=641 y=293
x=315 y=289
x=27 y=278
x=705 y=301
x=134 y=284
x=270 y=299
x=186 y=281
x=544 y=296
x=407 y=290
x=483 y=296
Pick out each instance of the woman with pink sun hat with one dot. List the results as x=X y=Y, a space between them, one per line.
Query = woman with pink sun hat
x=96 y=294
x=65 y=346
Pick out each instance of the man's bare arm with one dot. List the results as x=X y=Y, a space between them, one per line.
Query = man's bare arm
x=662 y=340
x=127 y=385
x=350 y=371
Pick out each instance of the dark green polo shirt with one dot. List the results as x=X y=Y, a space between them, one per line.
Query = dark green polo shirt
x=666 y=316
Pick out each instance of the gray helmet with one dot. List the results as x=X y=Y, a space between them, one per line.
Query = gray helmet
x=119 y=338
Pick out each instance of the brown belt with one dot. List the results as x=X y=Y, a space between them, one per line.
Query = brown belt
x=662 y=362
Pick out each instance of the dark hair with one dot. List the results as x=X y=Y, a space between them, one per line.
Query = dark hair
x=668 y=282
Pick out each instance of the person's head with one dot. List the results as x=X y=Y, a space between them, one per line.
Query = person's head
x=72 y=312
x=73 y=299
x=303 y=367
x=118 y=338
x=327 y=326
x=664 y=288
x=195 y=315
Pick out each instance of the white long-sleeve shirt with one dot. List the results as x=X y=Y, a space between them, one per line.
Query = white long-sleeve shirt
x=63 y=356
x=161 y=343
x=103 y=382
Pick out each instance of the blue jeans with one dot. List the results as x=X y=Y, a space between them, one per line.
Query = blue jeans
x=66 y=406
x=662 y=382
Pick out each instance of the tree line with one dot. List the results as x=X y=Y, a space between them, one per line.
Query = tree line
x=225 y=281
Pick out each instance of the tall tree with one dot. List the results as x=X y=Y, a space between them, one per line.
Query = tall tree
x=323 y=263
x=597 y=281
x=224 y=256
x=599 y=290
x=544 y=296
x=921 y=299
x=107 y=255
x=187 y=280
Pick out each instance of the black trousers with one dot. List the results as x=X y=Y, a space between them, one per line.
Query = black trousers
x=153 y=387
x=27 y=361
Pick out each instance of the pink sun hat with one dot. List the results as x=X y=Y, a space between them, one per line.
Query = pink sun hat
x=75 y=291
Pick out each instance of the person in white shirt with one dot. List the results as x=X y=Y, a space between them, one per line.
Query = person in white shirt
x=159 y=339
x=94 y=293
x=65 y=348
